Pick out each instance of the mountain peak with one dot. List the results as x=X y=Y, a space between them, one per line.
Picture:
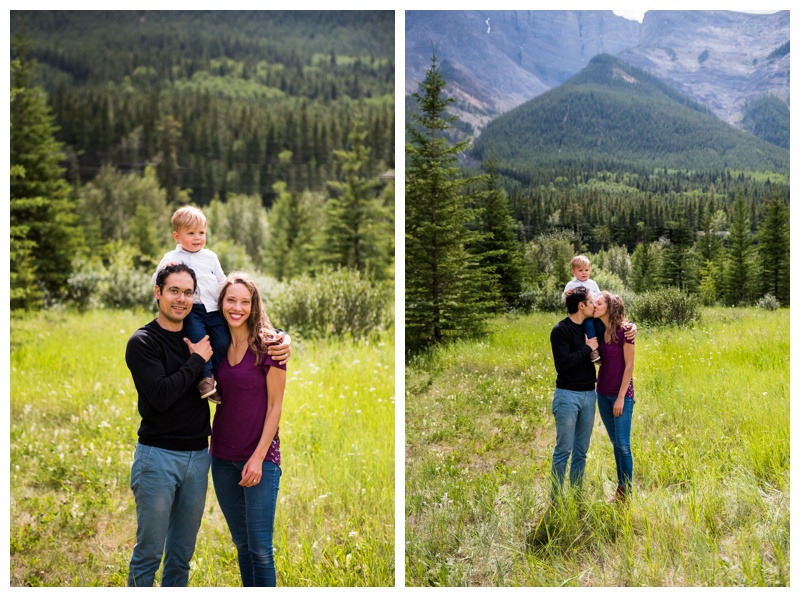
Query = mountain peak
x=614 y=112
x=720 y=59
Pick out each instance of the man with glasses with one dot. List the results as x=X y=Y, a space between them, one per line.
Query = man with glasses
x=169 y=476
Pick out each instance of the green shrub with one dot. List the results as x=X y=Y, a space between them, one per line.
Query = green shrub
x=607 y=280
x=118 y=285
x=527 y=299
x=547 y=297
x=665 y=306
x=336 y=302
x=768 y=302
x=83 y=285
x=124 y=286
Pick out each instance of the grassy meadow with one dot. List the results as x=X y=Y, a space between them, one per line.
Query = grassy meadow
x=710 y=442
x=73 y=432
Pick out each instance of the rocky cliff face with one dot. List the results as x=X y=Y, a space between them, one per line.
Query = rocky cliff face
x=496 y=60
x=719 y=58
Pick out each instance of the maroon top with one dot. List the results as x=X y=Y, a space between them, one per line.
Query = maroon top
x=611 y=371
x=239 y=419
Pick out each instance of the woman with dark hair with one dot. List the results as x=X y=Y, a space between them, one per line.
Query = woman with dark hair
x=615 y=386
x=245 y=447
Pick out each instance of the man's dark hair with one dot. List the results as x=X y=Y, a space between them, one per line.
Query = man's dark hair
x=174 y=268
x=577 y=296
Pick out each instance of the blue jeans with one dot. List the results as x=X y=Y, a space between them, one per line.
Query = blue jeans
x=250 y=514
x=574 y=415
x=619 y=432
x=588 y=327
x=169 y=487
x=200 y=322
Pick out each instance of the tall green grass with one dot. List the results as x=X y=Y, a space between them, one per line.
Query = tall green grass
x=73 y=431
x=711 y=448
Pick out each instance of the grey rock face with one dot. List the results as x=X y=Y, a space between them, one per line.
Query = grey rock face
x=497 y=60
x=719 y=58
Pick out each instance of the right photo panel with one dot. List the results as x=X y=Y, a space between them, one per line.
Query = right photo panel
x=597 y=298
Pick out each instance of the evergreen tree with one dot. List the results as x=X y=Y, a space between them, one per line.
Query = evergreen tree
x=708 y=287
x=709 y=245
x=708 y=251
x=357 y=227
x=242 y=219
x=169 y=132
x=773 y=249
x=645 y=267
x=24 y=290
x=294 y=220
x=740 y=276
x=443 y=279
x=498 y=248
x=126 y=208
x=44 y=237
x=677 y=262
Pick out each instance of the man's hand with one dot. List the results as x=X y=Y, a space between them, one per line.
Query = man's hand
x=282 y=349
x=203 y=348
x=630 y=331
x=591 y=342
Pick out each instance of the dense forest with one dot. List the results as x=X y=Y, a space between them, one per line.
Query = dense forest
x=279 y=124
x=223 y=102
x=767 y=117
x=627 y=207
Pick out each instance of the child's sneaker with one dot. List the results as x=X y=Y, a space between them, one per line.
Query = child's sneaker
x=208 y=390
x=595 y=356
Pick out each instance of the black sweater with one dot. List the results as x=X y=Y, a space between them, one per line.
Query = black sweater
x=165 y=374
x=575 y=371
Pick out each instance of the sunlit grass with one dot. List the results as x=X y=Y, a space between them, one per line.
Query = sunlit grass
x=73 y=431
x=711 y=447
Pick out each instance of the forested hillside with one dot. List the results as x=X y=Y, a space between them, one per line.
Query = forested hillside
x=614 y=113
x=279 y=124
x=224 y=102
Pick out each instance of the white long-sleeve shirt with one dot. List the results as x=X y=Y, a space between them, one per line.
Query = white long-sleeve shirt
x=590 y=284
x=207 y=268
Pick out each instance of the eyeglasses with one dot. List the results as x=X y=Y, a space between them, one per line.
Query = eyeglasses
x=174 y=292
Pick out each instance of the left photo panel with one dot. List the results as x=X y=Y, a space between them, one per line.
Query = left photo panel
x=202 y=298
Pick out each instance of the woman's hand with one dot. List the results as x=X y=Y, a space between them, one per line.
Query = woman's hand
x=619 y=405
x=251 y=473
x=282 y=349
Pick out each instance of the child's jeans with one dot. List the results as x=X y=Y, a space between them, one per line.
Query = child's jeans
x=588 y=327
x=200 y=322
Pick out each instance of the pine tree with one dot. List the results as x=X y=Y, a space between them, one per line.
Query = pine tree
x=709 y=245
x=169 y=132
x=358 y=227
x=294 y=221
x=740 y=276
x=678 y=261
x=773 y=249
x=498 y=247
x=443 y=280
x=44 y=237
x=645 y=265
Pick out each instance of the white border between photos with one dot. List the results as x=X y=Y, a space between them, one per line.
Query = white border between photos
x=399 y=6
